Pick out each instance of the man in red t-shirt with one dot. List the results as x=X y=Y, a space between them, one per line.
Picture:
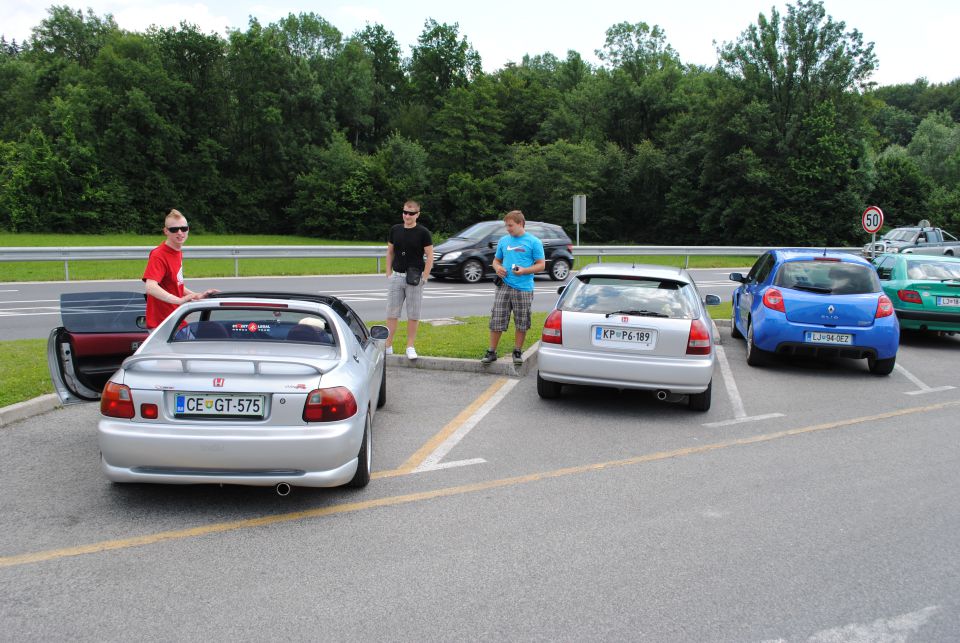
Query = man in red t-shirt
x=164 y=272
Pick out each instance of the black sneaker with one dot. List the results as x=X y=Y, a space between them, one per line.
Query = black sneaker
x=517 y=357
x=489 y=357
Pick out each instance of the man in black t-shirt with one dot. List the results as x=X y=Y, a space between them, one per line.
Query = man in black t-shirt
x=409 y=245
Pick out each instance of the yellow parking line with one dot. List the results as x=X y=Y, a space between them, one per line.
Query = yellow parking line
x=423 y=452
x=179 y=534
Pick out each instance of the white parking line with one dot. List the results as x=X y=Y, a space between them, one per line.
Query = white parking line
x=432 y=461
x=922 y=388
x=739 y=413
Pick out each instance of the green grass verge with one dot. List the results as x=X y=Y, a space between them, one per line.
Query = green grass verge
x=23 y=370
x=24 y=375
x=199 y=268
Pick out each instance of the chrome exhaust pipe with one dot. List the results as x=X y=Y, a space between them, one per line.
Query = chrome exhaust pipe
x=662 y=395
x=283 y=489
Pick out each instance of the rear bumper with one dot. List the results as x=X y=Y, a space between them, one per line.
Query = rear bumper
x=931 y=320
x=880 y=340
x=677 y=375
x=311 y=456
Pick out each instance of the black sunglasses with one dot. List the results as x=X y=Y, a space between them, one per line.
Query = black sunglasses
x=182 y=228
x=411 y=213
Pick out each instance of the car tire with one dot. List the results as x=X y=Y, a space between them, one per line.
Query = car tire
x=546 y=389
x=365 y=458
x=560 y=270
x=755 y=356
x=471 y=271
x=701 y=401
x=382 y=398
x=881 y=366
x=734 y=331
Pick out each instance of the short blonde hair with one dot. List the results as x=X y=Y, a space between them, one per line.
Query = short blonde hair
x=516 y=216
x=174 y=215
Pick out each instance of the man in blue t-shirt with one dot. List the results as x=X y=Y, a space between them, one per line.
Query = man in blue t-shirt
x=519 y=256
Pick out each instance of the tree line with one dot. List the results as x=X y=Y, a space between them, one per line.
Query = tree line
x=295 y=128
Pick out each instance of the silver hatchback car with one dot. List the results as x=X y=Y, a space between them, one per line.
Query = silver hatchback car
x=265 y=389
x=633 y=327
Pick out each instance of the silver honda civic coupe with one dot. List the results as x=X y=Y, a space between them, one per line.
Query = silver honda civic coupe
x=264 y=389
x=630 y=326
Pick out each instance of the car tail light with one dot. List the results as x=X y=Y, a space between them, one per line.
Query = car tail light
x=553 y=328
x=116 y=401
x=884 y=307
x=329 y=405
x=826 y=259
x=149 y=411
x=773 y=299
x=909 y=296
x=698 y=342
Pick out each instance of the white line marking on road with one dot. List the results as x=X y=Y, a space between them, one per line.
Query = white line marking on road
x=923 y=388
x=739 y=413
x=9 y=291
x=432 y=461
x=894 y=630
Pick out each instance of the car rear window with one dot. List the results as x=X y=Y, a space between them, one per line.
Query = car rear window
x=933 y=270
x=828 y=277
x=612 y=293
x=255 y=325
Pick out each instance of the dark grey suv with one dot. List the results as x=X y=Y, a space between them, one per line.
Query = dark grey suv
x=468 y=255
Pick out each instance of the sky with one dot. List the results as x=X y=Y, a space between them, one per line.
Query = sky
x=911 y=40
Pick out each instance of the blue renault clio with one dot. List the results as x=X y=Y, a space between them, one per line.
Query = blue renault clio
x=797 y=301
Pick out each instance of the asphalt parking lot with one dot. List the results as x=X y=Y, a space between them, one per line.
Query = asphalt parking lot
x=812 y=500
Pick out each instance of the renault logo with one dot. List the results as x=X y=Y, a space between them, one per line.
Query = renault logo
x=830 y=309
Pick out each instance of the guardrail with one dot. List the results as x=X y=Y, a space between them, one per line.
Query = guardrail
x=102 y=253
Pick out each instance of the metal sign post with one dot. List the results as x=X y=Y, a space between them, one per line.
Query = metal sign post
x=579 y=212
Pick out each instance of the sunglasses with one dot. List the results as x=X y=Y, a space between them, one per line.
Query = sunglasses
x=182 y=228
x=411 y=213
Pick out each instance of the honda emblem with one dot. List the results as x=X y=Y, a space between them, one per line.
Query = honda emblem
x=218 y=381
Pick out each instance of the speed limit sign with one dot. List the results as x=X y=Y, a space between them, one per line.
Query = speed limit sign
x=872 y=219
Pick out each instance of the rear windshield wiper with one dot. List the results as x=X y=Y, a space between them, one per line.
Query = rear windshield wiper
x=638 y=313
x=819 y=289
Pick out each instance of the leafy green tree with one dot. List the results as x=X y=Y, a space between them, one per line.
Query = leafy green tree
x=67 y=36
x=936 y=147
x=467 y=130
x=390 y=85
x=441 y=61
x=900 y=188
x=334 y=197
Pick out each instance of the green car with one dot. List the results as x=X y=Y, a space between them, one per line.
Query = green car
x=924 y=289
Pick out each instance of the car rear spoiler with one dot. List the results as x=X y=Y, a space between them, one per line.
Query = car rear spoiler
x=185 y=360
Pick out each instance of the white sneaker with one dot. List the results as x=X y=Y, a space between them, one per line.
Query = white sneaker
x=389 y=350
x=411 y=352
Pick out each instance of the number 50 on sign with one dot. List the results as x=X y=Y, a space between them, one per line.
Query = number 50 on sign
x=872 y=219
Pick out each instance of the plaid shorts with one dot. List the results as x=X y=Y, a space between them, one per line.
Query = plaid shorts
x=399 y=291
x=507 y=299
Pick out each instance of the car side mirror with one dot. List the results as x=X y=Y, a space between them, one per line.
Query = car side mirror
x=379 y=332
x=711 y=300
x=736 y=276
x=491 y=244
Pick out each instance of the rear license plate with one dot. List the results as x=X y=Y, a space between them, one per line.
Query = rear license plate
x=643 y=338
x=948 y=301
x=219 y=405
x=828 y=338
